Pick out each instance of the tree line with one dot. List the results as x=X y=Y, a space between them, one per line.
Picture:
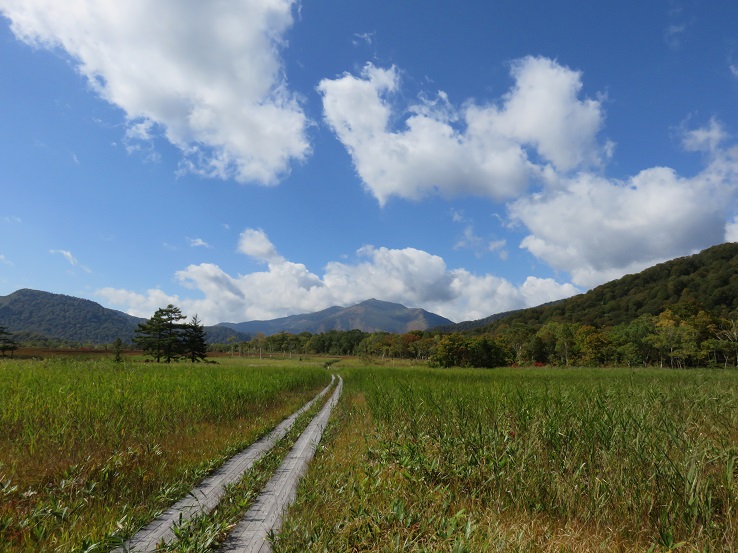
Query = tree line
x=681 y=335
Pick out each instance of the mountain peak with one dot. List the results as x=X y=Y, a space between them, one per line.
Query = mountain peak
x=370 y=315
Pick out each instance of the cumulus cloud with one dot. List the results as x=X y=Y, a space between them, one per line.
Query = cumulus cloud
x=731 y=230
x=255 y=243
x=139 y=305
x=207 y=76
x=483 y=150
x=598 y=229
x=409 y=276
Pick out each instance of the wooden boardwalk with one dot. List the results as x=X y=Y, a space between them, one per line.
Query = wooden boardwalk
x=206 y=496
x=265 y=515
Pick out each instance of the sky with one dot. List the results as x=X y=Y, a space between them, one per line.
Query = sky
x=255 y=159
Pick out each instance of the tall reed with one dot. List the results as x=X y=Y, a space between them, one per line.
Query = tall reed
x=527 y=460
x=91 y=449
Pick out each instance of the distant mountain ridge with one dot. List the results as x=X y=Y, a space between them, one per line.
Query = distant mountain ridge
x=368 y=316
x=709 y=278
x=38 y=314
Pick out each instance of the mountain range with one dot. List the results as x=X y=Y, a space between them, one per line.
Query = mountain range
x=368 y=316
x=36 y=316
x=708 y=279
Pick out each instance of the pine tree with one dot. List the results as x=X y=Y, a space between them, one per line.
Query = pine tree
x=195 y=340
x=162 y=335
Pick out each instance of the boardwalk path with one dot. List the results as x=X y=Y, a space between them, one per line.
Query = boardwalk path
x=266 y=513
x=205 y=497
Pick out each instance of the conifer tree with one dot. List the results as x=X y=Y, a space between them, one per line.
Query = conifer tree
x=162 y=335
x=195 y=340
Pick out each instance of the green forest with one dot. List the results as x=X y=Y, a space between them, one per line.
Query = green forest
x=681 y=313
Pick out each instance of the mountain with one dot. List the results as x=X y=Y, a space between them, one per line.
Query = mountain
x=33 y=313
x=64 y=317
x=708 y=278
x=368 y=316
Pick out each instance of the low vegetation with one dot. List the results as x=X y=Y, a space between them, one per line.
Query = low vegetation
x=91 y=449
x=525 y=460
x=414 y=458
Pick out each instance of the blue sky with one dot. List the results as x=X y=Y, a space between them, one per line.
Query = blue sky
x=255 y=159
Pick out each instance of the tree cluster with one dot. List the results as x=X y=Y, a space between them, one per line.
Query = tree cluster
x=682 y=335
x=165 y=336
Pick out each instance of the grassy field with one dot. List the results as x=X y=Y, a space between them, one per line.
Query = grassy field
x=90 y=448
x=414 y=459
x=524 y=460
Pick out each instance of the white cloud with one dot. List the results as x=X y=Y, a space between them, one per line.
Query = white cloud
x=198 y=243
x=731 y=230
x=704 y=139
x=599 y=229
x=67 y=255
x=543 y=110
x=472 y=150
x=499 y=246
x=5 y=261
x=256 y=244
x=409 y=276
x=363 y=38
x=71 y=259
x=206 y=75
x=139 y=305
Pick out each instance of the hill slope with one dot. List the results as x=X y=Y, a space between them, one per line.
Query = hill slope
x=33 y=312
x=709 y=278
x=368 y=316
x=64 y=317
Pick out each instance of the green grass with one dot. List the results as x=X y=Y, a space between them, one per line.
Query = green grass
x=413 y=459
x=90 y=449
x=524 y=460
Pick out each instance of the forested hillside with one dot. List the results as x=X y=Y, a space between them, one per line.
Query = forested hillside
x=64 y=318
x=49 y=320
x=709 y=279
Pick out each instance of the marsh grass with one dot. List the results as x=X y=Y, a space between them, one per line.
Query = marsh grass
x=535 y=460
x=90 y=449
